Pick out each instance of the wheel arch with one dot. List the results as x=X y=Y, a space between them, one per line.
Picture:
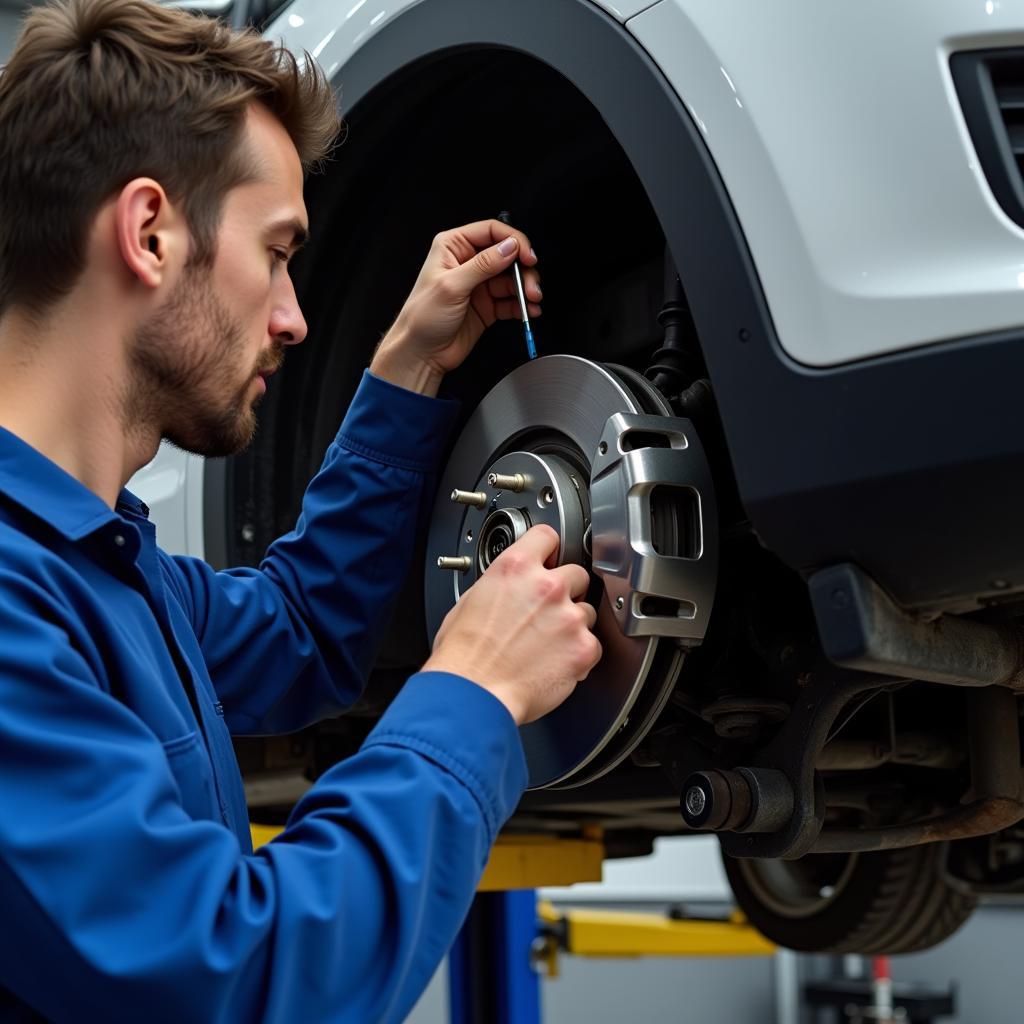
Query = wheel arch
x=650 y=122
x=615 y=75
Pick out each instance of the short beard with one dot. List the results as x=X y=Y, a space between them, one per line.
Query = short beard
x=185 y=364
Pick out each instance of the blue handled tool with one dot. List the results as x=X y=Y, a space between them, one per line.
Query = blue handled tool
x=531 y=349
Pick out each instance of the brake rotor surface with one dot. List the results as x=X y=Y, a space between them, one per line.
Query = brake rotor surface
x=552 y=410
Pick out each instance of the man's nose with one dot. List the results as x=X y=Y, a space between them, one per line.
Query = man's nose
x=287 y=324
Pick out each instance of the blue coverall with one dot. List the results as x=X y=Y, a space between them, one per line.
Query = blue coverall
x=129 y=890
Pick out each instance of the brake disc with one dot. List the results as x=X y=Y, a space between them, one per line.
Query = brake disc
x=593 y=452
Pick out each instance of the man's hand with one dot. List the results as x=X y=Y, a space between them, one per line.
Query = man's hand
x=522 y=631
x=465 y=285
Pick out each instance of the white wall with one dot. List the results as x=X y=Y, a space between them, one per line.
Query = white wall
x=680 y=869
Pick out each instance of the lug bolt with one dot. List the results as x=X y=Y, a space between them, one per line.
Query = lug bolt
x=459 y=563
x=475 y=498
x=516 y=482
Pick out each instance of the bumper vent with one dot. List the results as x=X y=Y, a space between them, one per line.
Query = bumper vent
x=990 y=84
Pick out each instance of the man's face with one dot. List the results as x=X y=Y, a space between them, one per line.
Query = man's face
x=201 y=362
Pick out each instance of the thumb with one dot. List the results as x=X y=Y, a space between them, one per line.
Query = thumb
x=486 y=264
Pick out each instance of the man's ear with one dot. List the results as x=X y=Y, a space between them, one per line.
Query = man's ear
x=144 y=222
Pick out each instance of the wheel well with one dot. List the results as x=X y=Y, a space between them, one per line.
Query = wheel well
x=456 y=110
x=452 y=155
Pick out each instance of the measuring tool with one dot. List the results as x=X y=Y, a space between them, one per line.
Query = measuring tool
x=531 y=349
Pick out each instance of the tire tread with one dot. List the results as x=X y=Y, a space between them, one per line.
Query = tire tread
x=903 y=904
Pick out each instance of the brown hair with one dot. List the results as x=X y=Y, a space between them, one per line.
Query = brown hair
x=98 y=92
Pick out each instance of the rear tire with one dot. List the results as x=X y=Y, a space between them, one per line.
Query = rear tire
x=886 y=902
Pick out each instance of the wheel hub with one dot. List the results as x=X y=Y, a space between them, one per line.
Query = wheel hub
x=552 y=439
x=515 y=492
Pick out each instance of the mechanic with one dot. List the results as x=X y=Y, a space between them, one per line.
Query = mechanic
x=151 y=195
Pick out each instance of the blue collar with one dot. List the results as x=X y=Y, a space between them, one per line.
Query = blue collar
x=42 y=488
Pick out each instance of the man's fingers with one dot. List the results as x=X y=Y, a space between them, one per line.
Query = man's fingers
x=576 y=577
x=589 y=613
x=538 y=544
x=500 y=287
x=508 y=309
x=483 y=234
x=486 y=264
x=485 y=252
x=504 y=286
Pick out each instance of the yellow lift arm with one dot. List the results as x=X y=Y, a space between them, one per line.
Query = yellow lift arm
x=613 y=933
x=533 y=861
x=520 y=861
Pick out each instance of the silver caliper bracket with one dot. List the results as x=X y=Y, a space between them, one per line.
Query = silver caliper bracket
x=643 y=466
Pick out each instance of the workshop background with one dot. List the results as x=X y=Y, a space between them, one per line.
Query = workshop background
x=980 y=964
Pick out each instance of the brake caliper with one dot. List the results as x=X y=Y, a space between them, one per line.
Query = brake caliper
x=659 y=569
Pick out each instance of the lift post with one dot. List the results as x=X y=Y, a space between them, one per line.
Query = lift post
x=491 y=977
x=509 y=941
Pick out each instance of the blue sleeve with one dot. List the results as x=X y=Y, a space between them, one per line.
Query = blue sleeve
x=294 y=640
x=119 y=907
